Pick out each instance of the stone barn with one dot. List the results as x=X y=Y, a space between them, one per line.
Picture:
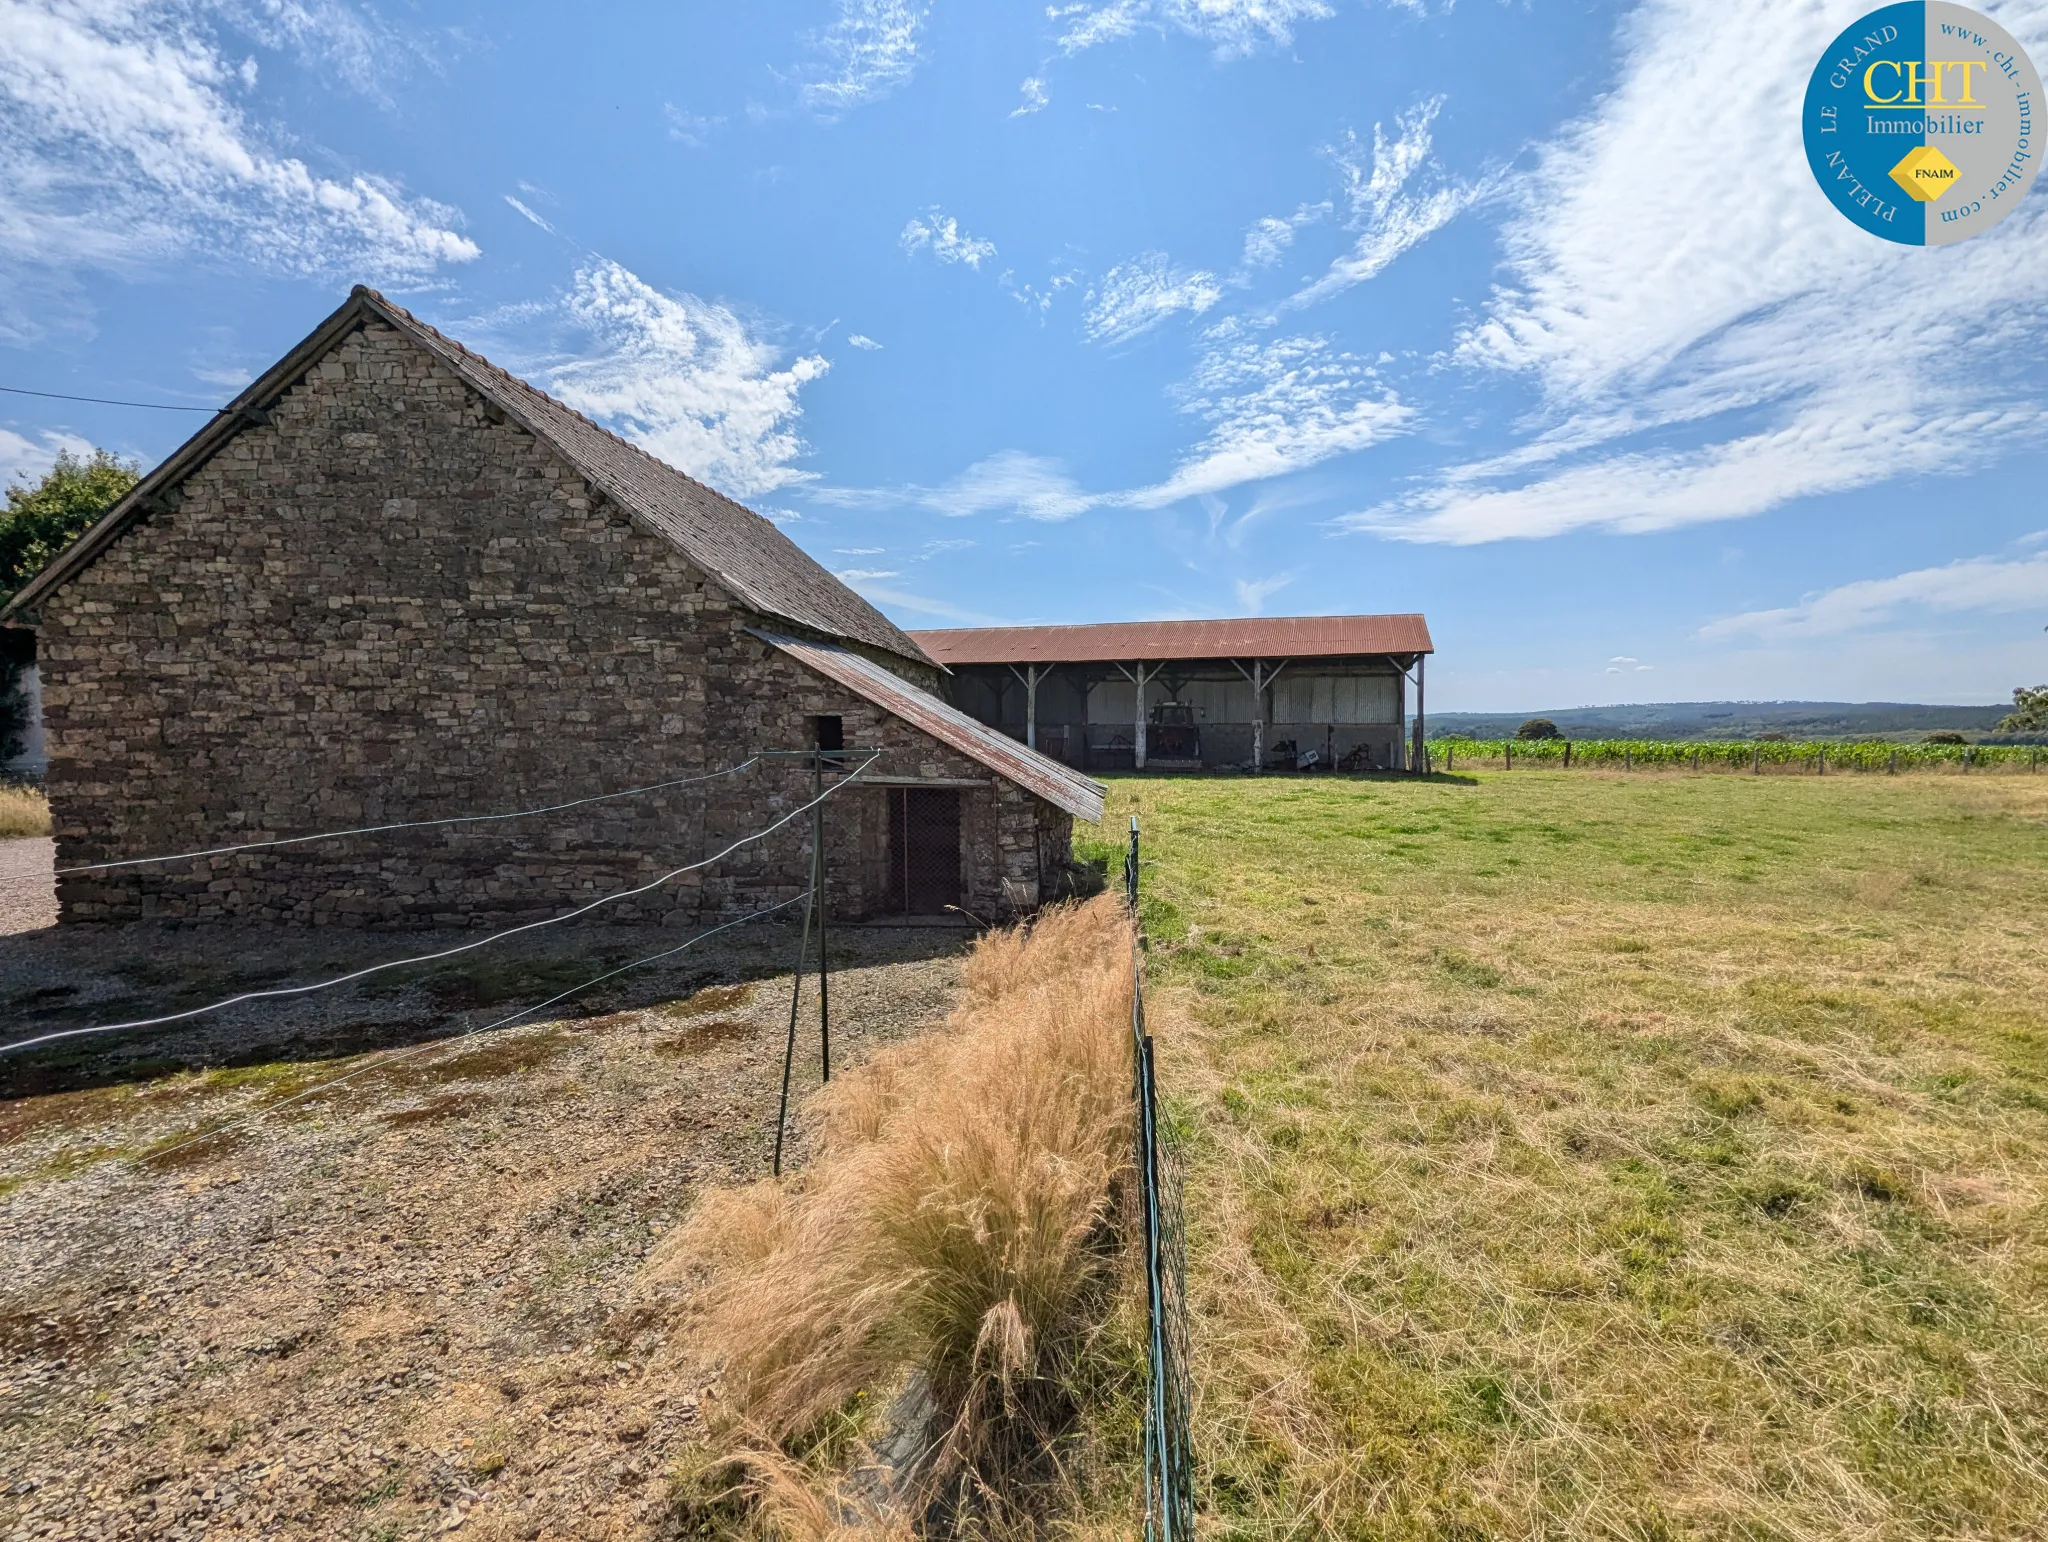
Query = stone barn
x=392 y=583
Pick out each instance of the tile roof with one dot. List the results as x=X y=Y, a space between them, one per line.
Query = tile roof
x=1059 y=785
x=1265 y=637
x=742 y=552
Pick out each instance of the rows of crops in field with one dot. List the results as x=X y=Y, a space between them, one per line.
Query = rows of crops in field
x=1813 y=757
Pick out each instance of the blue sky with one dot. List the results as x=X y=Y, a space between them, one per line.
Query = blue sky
x=1522 y=313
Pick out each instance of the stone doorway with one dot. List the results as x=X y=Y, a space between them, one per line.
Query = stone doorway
x=924 y=850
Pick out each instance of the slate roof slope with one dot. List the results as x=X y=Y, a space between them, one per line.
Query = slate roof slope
x=1059 y=785
x=745 y=554
x=1125 y=642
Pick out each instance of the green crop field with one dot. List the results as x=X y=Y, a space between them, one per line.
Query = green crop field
x=1596 y=1156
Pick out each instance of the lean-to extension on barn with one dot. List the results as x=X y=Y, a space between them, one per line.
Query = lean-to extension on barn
x=393 y=583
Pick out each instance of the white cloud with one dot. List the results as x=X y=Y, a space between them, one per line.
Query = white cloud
x=1033 y=94
x=1136 y=296
x=869 y=51
x=862 y=341
x=1390 y=216
x=864 y=575
x=681 y=377
x=1269 y=238
x=1031 y=297
x=1232 y=27
x=859 y=551
x=1274 y=408
x=941 y=235
x=690 y=128
x=1010 y=482
x=1624 y=665
x=527 y=214
x=1708 y=346
x=26 y=460
x=1973 y=584
x=125 y=146
x=924 y=605
x=1252 y=593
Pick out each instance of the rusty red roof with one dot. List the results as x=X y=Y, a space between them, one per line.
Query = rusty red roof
x=1038 y=774
x=1261 y=637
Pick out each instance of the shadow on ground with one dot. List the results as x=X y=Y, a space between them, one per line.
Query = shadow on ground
x=62 y=979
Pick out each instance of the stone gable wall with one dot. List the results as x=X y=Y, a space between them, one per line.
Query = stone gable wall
x=390 y=604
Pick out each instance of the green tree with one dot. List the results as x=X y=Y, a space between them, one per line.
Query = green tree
x=37 y=524
x=1538 y=728
x=1944 y=736
x=41 y=521
x=2029 y=713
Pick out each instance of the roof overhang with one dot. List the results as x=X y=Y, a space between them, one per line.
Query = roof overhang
x=1039 y=775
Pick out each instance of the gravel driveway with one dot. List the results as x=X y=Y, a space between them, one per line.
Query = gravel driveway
x=404 y=1305
x=28 y=889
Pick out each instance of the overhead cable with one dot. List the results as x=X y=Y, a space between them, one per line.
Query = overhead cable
x=393 y=1056
x=429 y=958
x=411 y=824
x=108 y=401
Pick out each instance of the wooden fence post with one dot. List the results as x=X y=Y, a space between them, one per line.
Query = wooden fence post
x=1567 y=754
x=1756 y=760
x=1507 y=755
x=1628 y=757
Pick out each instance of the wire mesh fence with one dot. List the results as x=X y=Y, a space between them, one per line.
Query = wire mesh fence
x=1169 y=1446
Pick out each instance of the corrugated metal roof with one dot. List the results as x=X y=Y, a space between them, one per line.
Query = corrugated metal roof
x=742 y=552
x=1117 y=642
x=1038 y=774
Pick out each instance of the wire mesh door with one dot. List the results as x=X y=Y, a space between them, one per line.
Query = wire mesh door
x=924 y=850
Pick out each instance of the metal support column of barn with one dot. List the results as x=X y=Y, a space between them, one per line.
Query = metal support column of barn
x=1261 y=683
x=1030 y=674
x=1420 y=763
x=1140 y=679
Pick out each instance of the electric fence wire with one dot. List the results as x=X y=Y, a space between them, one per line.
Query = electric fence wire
x=429 y=958
x=392 y=1057
x=108 y=401
x=411 y=824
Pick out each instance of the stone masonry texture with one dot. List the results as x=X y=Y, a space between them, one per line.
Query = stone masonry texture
x=388 y=604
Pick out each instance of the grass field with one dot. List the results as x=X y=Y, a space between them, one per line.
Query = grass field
x=1574 y=1155
x=23 y=811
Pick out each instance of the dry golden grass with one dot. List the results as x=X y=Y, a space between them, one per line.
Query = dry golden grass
x=1586 y=1157
x=950 y=1246
x=23 y=811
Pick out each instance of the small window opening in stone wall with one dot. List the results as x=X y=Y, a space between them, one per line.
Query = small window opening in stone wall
x=828 y=732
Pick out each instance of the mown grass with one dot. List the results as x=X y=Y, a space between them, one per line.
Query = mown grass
x=23 y=811
x=1579 y=1155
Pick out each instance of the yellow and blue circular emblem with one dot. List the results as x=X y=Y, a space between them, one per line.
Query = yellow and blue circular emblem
x=1923 y=123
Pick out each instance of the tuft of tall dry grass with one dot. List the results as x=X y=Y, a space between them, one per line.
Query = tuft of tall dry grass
x=23 y=811
x=952 y=1244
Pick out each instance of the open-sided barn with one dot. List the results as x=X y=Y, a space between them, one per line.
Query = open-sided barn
x=1262 y=693
x=392 y=583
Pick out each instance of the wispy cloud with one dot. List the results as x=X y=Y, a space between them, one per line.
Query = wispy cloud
x=881 y=592
x=1388 y=210
x=1032 y=96
x=1252 y=593
x=862 y=341
x=1232 y=27
x=864 y=575
x=1274 y=408
x=1707 y=347
x=1268 y=239
x=1974 y=584
x=941 y=235
x=527 y=214
x=1010 y=482
x=683 y=378
x=690 y=128
x=1622 y=664
x=26 y=460
x=126 y=144
x=1136 y=296
x=867 y=53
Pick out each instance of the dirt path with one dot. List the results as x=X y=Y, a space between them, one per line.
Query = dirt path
x=402 y=1306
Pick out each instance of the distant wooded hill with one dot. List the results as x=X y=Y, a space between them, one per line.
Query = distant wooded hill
x=1731 y=720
